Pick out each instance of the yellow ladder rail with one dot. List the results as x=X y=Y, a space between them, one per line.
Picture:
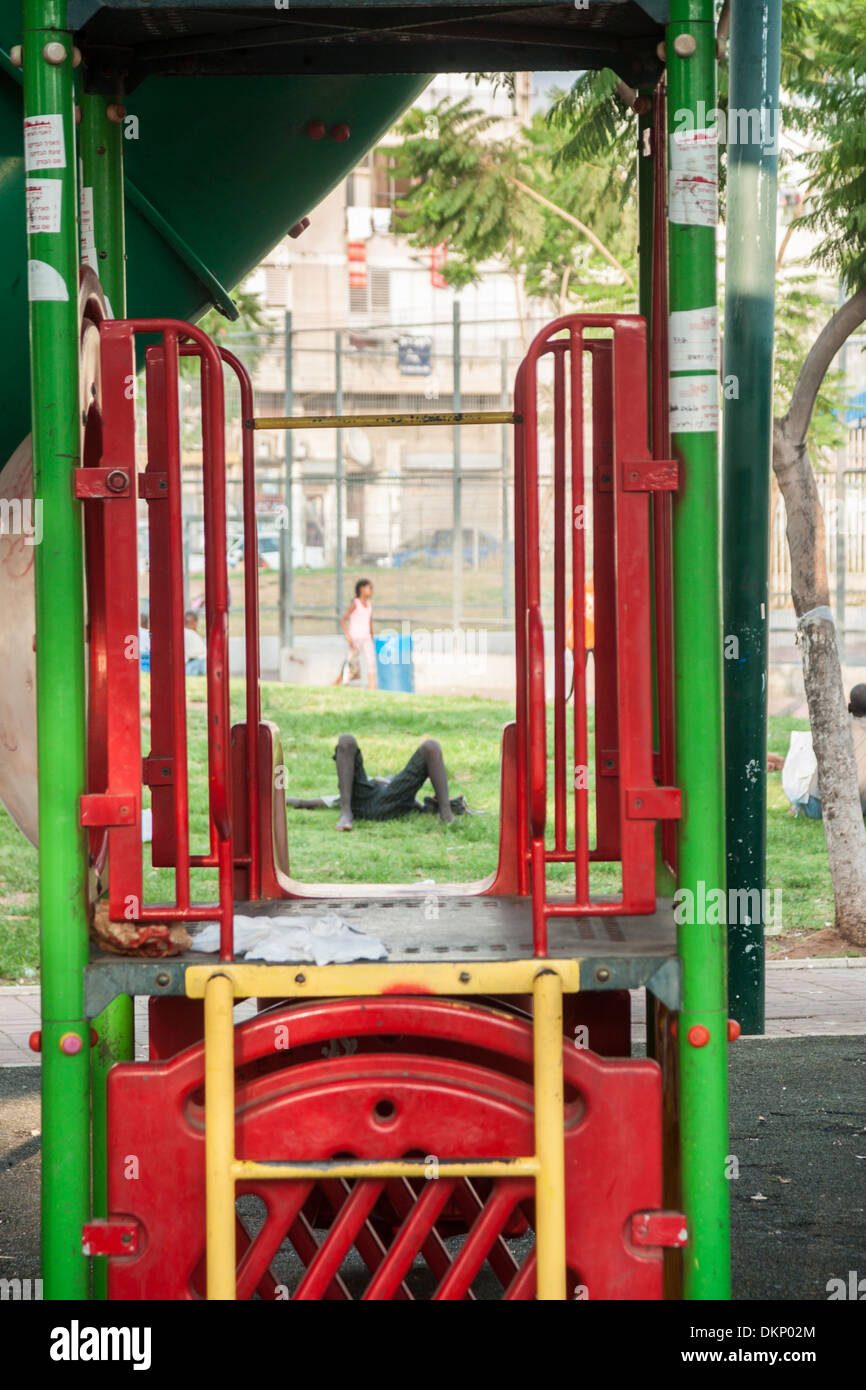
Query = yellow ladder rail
x=224 y=1169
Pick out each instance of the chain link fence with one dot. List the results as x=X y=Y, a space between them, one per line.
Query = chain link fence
x=423 y=511
x=426 y=512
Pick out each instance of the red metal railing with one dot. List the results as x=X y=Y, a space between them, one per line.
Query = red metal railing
x=628 y=800
x=113 y=548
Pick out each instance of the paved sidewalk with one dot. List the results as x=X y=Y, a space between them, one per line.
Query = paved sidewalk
x=804 y=999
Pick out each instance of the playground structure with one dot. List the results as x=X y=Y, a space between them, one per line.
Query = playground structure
x=463 y=1117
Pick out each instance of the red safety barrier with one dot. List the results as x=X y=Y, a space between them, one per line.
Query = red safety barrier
x=624 y=478
x=112 y=552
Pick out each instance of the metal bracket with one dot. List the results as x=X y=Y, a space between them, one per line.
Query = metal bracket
x=153 y=486
x=659 y=1228
x=650 y=475
x=103 y=809
x=667 y=984
x=100 y=484
x=654 y=803
x=109 y=975
x=157 y=772
x=110 y=1237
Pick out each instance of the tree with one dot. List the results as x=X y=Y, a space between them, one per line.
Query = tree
x=491 y=196
x=823 y=75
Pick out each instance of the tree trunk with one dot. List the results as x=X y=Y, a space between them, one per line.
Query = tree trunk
x=822 y=673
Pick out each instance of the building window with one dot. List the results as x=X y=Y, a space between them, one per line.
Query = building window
x=387 y=188
x=372 y=299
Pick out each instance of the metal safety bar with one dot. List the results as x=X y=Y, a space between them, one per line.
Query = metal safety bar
x=251 y=620
x=625 y=475
x=373 y=422
x=224 y=1169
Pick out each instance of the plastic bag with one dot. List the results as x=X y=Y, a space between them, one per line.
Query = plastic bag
x=351 y=668
x=800 y=769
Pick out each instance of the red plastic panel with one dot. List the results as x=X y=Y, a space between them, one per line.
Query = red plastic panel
x=446 y=1080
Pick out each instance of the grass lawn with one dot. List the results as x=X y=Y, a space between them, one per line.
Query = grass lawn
x=388 y=728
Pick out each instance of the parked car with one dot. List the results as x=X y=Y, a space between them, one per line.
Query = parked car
x=438 y=545
x=311 y=556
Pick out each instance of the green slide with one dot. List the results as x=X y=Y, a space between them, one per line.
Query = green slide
x=221 y=168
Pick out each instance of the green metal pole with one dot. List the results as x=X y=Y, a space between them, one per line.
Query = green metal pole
x=287 y=536
x=748 y=373
x=101 y=145
x=53 y=280
x=457 y=480
x=690 y=49
x=103 y=246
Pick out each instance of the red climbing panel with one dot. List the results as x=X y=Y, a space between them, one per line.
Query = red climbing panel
x=385 y=1078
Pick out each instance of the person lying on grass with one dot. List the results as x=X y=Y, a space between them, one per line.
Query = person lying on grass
x=385 y=798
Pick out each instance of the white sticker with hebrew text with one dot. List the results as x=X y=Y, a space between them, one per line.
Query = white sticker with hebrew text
x=44 y=204
x=694 y=404
x=87 y=230
x=44 y=146
x=693 y=199
x=694 y=340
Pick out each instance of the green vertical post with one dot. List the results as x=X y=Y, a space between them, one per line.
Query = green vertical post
x=101 y=145
x=748 y=372
x=690 y=51
x=101 y=148
x=340 y=476
x=457 y=480
x=287 y=536
x=53 y=281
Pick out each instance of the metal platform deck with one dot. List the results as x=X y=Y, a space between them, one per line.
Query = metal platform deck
x=220 y=38
x=615 y=952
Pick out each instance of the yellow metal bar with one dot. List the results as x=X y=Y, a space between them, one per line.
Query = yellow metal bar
x=389 y=977
x=219 y=1120
x=247 y=1169
x=549 y=1136
x=377 y=422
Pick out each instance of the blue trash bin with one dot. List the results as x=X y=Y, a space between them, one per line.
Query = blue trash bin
x=394 y=662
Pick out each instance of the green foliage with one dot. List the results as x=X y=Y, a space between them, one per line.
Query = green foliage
x=597 y=127
x=801 y=313
x=465 y=191
x=825 y=73
x=462 y=193
x=251 y=320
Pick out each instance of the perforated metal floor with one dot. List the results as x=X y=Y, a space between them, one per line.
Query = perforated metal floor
x=619 y=952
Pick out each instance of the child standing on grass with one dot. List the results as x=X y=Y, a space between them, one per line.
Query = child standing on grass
x=357 y=624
